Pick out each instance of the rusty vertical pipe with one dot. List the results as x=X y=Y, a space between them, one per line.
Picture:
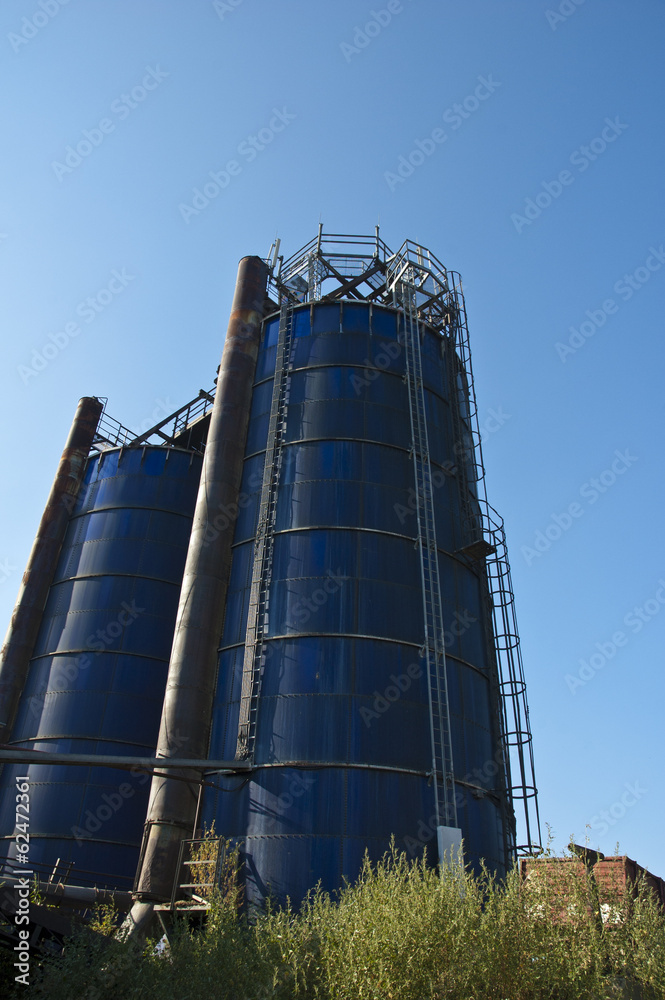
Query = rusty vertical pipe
x=26 y=619
x=187 y=712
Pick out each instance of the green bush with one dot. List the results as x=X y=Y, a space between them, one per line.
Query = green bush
x=403 y=931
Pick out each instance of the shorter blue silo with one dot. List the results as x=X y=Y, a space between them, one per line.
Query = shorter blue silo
x=98 y=672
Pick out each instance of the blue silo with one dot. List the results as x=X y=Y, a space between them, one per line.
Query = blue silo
x=97 y=675
x=359 y=667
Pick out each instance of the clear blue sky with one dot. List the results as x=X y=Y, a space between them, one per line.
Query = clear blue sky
x=537 y=93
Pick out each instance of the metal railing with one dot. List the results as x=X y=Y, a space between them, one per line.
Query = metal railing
x=336 y=256
x=112 y=434
x=190 y=864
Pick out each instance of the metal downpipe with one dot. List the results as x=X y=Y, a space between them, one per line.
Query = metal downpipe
x=26 y=619
x=187 y=711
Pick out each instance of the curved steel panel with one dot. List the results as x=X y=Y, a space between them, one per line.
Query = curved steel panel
x=96 y=680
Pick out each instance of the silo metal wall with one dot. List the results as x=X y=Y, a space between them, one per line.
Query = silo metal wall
x=343 y=681
x=96 y=681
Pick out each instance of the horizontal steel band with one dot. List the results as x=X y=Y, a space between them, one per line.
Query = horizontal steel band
x=349 y=364
x=359 y=440
x=111 y=574
x=89 y=651
x=128 y=506
x=352 y=635
x=344 y=527
x=307 y=765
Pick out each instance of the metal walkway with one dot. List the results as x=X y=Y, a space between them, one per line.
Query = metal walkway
x=169 y=431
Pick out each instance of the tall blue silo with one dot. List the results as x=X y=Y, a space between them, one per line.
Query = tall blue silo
x=359 y=666
x=97 y=675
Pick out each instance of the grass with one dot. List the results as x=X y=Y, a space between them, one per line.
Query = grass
x=403 y=931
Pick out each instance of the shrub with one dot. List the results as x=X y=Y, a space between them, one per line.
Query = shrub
x=402 y=931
